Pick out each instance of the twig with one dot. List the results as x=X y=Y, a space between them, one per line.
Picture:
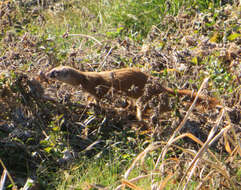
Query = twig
x=133 y=180
x=203 y=149
x=164 y=151
x=150 y=148
x=9 y=176
x=104 y=61
x=66 y=35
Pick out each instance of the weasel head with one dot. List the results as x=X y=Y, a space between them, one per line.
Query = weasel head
x=62 y=73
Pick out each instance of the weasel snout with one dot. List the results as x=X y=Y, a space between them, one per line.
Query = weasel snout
x=50 y=74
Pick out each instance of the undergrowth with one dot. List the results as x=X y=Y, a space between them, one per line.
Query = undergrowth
x=54 y=135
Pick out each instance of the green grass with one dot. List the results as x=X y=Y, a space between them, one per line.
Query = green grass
x=103 y=171
x=107 y=19
x=101 y=19
x=90 y=171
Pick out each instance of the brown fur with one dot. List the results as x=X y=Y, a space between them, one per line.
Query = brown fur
x=121 y=79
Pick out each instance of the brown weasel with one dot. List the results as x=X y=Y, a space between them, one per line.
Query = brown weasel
x=120 y=79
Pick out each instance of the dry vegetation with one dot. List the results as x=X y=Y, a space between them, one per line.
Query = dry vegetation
x=48 y=129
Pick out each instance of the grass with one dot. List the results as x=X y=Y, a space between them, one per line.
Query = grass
x=88 y=172
x=104 y=144
x=104 y=172
x=105 y=19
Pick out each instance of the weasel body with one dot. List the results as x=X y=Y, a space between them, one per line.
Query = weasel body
x=121 y=80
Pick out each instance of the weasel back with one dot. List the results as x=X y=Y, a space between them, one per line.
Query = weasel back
x=129 y=81
x=120 y=79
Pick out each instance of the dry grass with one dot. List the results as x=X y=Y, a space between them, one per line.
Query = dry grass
x=203 y=161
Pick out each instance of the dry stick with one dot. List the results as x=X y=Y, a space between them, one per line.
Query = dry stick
x=133 y=180
x=143 y=153
x=192 y=172
x=164 y=151
x=165 y=181
x=86 y=36
x=194 y=138
x=9 y=176
x=220 y=133
x=207 y=177
x=130 y=185
x=224 y=172
x=217 y=166
x=3 y=179
x=151 y=147
x=210 y=163
x=104 y=61
x=203 y=149
x=157 y=145
x=236 y=139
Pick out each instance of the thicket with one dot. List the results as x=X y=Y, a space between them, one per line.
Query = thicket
x=52 y=138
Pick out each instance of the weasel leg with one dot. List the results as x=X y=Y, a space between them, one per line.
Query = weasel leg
x=138 y=110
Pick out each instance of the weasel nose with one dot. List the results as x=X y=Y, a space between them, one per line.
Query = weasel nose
x=51 y=75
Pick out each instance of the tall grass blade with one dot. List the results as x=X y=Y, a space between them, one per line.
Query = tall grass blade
x=3 y=179
x=170 y=141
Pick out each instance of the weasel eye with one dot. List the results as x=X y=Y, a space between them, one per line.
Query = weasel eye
x=53 y=74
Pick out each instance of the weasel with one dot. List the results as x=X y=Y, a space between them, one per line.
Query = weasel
x=120 y=79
